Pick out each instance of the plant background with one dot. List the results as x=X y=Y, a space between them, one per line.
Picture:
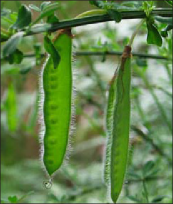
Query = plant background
x=149 y=172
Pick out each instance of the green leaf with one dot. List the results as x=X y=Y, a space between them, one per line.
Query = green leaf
x=131 y=4
x=34 y=7
x=96 y=3
x=169 y=2
x=147 y=6
x=4 y=34
x=46 y=12
x=141 y=62
x=158 y=199
x=166 y=20
x=149 y=170
x=12 y=43
x=49 y=47
x=9 y=20
x=164 y=32
x=134 y=175
x=115 y=15
x=26 y=69
x=15 y=58
x=23 y=19
x=44 y=5
x=13 y=199
x=153 y=36
x=50 y=6
x=52 y=19
x=5 y=12
x=135 y=199
x=148 y=166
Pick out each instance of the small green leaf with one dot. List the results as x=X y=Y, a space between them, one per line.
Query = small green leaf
x=148 y=166
x=96 y=3
x=25 y=70
x=7 y=21
x=46 y=12
x=166 y=20
x=12 y=43
x=141 y=62
x=147 y=6
x=15 y=58
x=23 y=19
x=4 y=34
x=149 y=170
x=164 y=32
x=115 y=15
x=153 y=36
x=158 y=199
x=134 y=175
x=13 y=199
x=135 y=199
x=50 y=6
x=5 y=12
x=34 y=7
x=44 y=5
x=169 y=2
x=52 y=19
x=49 y=47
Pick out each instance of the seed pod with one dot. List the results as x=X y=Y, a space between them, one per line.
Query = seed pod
x=109 y=127
x=11 y=108
x=121 y=125
x=57 y=103
x=118 y=125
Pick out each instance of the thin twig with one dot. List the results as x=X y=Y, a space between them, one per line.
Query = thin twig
x=155 y=98
x=150 y=140
x=101 y=53
x=109 y=53
x=135 y=32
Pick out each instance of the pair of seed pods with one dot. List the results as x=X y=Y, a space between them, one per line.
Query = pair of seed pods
x=57 y=87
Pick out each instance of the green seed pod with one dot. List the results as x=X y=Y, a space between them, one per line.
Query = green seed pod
x=118 y=124
x=11 y=108
x=109 y=127
x=57 y=103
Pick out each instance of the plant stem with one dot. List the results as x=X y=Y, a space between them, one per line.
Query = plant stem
x=40 y=28
x=168 y=72
x=145 y=191
x=135 y=32
x=97 y=77
x=101 y=53
x=159 y=105
x=149 y=139
x=95 y=74
x=111 y=53
x=141 y=113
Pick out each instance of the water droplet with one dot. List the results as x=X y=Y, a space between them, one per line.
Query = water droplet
x=47 y=184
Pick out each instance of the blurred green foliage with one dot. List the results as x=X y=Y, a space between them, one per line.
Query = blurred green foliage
x=149 y=171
